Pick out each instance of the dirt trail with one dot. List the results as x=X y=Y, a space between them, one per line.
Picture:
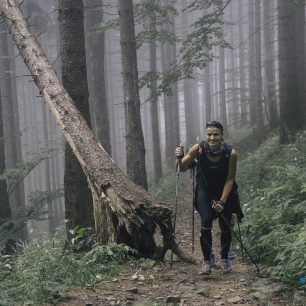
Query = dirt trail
x=183 y=284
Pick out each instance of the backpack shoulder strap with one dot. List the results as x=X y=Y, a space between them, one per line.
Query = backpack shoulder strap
x=203 y=146
x=227 y=150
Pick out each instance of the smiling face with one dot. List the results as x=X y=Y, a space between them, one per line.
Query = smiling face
x=213 y=138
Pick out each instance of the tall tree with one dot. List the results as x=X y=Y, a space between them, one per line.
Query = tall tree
x=78 y=200
x=11 y=122
x=95 y=41
x=291 y=91
x=5 y=209
x=269 y=67
x=171 y=113
x=232 y=71
x=252 y=78
x=242 y=72
x=258 y=79
x=157 y=161
x=222 y=94
x=207 y=93
x=192 y=121
x=135 y=149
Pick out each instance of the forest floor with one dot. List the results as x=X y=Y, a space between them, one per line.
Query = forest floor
x=183 y=284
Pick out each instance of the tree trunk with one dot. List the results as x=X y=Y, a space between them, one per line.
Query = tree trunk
x=259 y=108
x=207 y=95
x=175 y=117
x=157 y=161
x=292 y=110
x=96 y=76
x=242 y=73
x=171 y=108
x=189 y=119
x=222 y=95
x=47 y=172
x=133 y=212
x=268 y=16
x=299 y=18
x=192 y=121
x=12 y=130
x=5 y=209
x=233 y=102
x=168 y=110
x=135 y=148
x=78 y=200
x=252 y=78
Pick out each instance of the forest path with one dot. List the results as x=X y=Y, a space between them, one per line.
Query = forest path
x=183 y=284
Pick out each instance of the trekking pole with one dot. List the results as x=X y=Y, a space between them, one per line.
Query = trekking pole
x=242 y=256
x=193 y=199
x=242 y=245
x=175 y=211
x=193 y=203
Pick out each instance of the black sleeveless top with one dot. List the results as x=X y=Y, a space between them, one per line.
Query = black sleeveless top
x=212 y=175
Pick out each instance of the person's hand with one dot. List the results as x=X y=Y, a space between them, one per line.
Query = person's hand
x=218 y=206
x=179 y=152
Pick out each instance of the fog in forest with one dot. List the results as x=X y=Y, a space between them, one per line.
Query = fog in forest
x=197 y=61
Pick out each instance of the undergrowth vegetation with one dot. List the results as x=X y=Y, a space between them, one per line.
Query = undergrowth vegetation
x=43 y=270
x=272 y=184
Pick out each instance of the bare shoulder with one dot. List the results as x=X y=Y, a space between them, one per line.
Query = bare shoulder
x=194 y=149
x=233 y=154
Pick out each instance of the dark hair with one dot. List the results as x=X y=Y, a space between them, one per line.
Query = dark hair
x=215 y=124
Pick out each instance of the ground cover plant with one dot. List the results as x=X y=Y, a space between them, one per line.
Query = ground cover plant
x=43 y=270
x=272 y=184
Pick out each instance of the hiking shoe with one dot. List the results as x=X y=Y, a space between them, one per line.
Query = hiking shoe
x=212 y=260
x=231 y=255
x=225 y=266
x=206 y=268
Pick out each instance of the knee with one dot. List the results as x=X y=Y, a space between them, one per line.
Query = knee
x=205 y=228
x=225 y=229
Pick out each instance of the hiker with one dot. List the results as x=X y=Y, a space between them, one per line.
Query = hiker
x=216 y=190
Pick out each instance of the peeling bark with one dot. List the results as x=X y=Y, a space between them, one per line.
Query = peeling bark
x=133 y=213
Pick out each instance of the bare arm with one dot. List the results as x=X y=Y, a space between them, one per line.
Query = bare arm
x=230 y=177
x=188 y=158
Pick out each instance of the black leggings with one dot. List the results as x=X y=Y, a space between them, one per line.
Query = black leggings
x=208 y=214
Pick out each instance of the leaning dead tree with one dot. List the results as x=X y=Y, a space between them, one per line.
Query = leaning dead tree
x=133 y=215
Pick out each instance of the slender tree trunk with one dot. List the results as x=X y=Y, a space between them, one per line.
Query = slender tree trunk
x=135 y=149
x=95 y=59
x=169 y=141
x=47 y=172
x=299 y=18
x=259 y=108
x=268 y=16
x=207 y=93
x=222 y=95
x=215 y=96
x=190 y=124
x=133 y=212
x=171 y=103
x=5 y=209
x=174 y=97
x=158 y=171
x=234 y=100
x=78 y=200
x=252 y=78
x=191 y=101
x=242 y=72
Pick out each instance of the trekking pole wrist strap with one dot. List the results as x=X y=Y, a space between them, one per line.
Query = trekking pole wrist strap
x=221 y=202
